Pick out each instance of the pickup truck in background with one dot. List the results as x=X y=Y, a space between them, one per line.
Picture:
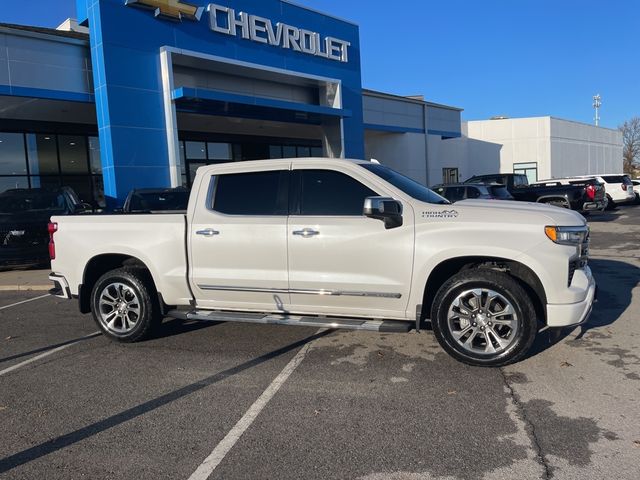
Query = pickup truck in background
x=583 y=195
x=335 y=244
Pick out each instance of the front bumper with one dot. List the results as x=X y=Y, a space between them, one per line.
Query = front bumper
x=60 y=287
x=571 y=314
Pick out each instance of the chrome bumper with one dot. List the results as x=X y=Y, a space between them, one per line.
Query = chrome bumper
x=60 y=287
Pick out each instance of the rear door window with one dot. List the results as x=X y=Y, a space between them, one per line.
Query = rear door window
x=455 y=194
x=614 y=179
x=254 y=193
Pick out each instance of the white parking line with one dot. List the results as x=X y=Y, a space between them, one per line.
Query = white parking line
x=46 y=354
x=25 y=301
x=212 y=461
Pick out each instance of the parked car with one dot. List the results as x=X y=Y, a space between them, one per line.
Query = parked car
x=24 y=216
x=154 y=200
x=618 y=188
x=455 y=192
x=332 y=244
x=636 y=190
x=583 y=195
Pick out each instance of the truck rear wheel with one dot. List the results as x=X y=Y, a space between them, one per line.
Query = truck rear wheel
x=484 y=317
x=125 y=305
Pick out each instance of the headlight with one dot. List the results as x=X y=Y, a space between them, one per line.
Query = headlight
x=567 y=235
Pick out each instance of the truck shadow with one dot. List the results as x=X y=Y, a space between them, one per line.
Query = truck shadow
x=616 y=281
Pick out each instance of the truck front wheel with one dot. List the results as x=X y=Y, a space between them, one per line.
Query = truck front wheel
x=484 y=317
x=124 y=305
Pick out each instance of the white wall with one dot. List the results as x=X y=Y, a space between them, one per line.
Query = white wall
x=404 y=152
x=580 y=149
x=560 y=148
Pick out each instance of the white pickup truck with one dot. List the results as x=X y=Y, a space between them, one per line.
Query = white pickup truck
x=337 y=244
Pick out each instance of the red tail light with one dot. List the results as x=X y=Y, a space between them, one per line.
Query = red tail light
x=591 y=192
x=624 y=187
x=53 y=228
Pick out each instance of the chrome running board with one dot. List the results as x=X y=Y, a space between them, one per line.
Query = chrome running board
x=383 y=326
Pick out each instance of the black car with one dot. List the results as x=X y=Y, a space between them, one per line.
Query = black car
x=455 y=192
x=582 y=195
x=149 y=200
x=24 y=219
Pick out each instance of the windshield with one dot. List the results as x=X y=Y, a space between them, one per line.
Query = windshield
x=408 y=186
x=21 y=202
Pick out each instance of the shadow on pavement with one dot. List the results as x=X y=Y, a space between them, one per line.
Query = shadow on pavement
x=616 y=281
x=63 y=441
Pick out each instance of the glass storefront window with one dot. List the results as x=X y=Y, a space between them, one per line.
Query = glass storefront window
x=219 y=151
x=98 y=191
x=94 y=155
x=43 y=154
x=275 y=151
x=8 y=183
x=304 y=152
x=73 y=154
x=196 y=150
x=47 y=182
x=317 y=152
x=12 y=160
x=81 y=184
x=289 y=152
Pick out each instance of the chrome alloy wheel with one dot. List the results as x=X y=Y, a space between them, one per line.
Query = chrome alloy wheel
x=119 y=308
x=483 y=321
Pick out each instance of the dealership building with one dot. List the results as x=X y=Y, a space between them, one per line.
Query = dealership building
x=140 y=93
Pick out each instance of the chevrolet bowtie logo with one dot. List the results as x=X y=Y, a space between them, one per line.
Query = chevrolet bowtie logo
x=173 y=9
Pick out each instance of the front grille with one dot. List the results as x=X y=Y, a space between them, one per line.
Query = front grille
x=581 y=261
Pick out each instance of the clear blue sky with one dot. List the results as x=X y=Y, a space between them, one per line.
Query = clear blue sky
x=491 y=57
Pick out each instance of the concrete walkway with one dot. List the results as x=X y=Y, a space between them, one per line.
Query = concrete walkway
x=25 y=280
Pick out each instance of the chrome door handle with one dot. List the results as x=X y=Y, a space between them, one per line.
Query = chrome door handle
x=209 y=232
x=306 y=233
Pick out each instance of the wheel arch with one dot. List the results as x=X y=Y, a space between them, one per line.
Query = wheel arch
x=101 y=264
x=527 y=278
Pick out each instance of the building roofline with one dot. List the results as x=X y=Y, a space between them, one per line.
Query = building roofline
x=551 y=117
x=44 y=32
x=375 y=93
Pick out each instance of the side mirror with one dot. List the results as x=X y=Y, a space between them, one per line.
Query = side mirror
x=384 y=208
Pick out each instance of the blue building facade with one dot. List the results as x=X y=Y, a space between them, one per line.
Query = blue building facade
x=134 y=46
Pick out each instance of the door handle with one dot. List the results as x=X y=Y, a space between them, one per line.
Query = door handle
x=209 y=232
x=306 y=233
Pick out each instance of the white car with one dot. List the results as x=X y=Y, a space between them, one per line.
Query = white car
x=335 y=244
x=619 y=188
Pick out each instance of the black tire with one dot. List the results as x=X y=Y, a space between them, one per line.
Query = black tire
x=136 y=282
x=611 y=205
x=508 y=288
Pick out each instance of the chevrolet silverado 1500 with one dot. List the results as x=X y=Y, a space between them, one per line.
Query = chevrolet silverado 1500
x=332 y=243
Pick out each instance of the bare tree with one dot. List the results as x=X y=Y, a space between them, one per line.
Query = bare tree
x=631 y=141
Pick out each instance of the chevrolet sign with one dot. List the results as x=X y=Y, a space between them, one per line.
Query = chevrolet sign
x=261 y=30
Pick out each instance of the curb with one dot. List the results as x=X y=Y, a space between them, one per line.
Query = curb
x=25 y=288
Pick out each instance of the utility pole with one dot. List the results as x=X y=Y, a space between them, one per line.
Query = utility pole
x=597 y=103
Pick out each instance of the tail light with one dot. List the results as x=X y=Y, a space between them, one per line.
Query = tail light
x=591 y=192
x=53 y=228
x=624 y=187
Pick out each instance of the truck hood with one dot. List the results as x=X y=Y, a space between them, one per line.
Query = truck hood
x=501 y=211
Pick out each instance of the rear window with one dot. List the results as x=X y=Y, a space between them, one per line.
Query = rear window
x=500 y=192
x=617 y=179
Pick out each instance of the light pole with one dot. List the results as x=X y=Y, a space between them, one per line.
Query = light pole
x=597 y=103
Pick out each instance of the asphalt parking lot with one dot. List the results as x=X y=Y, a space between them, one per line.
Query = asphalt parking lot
x=233 y=401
